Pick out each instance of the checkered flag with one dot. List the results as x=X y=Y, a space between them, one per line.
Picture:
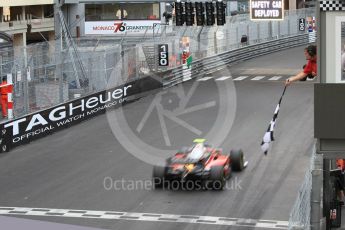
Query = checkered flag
x=268 y=137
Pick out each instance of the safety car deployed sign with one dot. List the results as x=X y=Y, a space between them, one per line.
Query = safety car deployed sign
x=266 y=10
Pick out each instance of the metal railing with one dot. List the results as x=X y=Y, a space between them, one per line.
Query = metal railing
x=210 y=64
x=300 y=215
x=44 y=73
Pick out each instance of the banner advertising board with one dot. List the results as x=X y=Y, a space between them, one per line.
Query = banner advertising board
x=40 y=124
x=120 y=27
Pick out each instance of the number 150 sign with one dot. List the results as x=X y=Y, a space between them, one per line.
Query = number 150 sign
x=301 y=24
x=163 y=56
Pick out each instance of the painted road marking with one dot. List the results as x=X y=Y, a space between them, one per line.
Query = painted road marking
x=275 y=78
x=240 y=78
x=114 y=215
x=223 y=78
x=204 y=78
x=257 y=78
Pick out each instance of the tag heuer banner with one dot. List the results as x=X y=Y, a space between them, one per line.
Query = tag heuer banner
x=40 y=124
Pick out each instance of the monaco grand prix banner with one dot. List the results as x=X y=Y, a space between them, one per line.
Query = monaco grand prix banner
x=40 y=124
x=120 y=27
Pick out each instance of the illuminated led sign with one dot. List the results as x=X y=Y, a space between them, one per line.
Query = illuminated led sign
x=266 y=10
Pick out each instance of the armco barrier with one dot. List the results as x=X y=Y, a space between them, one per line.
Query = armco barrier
x=37 y=125
x=40 y=124
x=210 y=64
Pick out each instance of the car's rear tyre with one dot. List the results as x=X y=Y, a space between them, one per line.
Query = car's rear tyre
x=229 y=175
x=158 y=176
x=237 y=160
x=217 y=178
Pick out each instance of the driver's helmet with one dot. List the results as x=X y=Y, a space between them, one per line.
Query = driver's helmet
x=197 y=152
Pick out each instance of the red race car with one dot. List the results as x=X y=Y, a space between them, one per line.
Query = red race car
x=200 y=163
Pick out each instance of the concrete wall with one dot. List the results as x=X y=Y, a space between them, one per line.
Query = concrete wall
x=162 y=8
x=331 y=38
x=71 y=11
x=19 y=40
x=292 y=4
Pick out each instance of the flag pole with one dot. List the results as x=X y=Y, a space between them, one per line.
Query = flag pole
x=268 y=136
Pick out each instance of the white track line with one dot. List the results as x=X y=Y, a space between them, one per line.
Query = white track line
x=240 y=78
x=257 y=78
x=223 y=78
x=275 y=78
x=155 y=217
x=204 y=78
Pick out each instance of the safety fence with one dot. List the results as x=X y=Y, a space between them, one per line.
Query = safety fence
x=208 y=65
x=300 y=215
x=49 y=73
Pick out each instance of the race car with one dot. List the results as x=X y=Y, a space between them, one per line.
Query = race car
x=200 y=162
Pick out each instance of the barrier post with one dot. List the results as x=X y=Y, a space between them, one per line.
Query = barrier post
x=10 y=97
